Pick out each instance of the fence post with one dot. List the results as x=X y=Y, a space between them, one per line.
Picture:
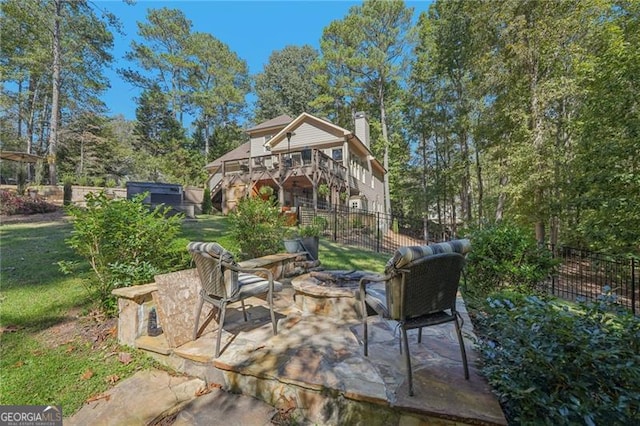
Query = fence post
x=335 y=223
x=377 y=232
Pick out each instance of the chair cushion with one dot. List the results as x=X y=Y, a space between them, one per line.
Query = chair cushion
x=407 y=254
x=376 y=298
x=209 y=269
x=253 y=285
x=212 y=249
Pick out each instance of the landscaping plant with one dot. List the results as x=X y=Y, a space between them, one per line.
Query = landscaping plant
x=505 y=256
x=125 y=243
x=207 y=205
x=551 y=364
x=258 y=227
x=12 y=203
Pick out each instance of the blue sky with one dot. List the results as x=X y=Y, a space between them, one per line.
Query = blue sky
x=252 y=29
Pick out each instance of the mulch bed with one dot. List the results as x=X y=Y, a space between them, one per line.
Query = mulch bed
x=56 y=216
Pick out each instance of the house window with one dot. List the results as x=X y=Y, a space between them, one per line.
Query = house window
x=336 y=154
x=355 y=204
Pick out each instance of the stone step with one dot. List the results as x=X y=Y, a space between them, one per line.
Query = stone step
x=157 y=344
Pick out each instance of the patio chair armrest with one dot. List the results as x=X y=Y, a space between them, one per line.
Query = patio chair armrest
x=370 y=279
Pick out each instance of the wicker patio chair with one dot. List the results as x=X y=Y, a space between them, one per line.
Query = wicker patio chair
x=420 y=294
x=224 y=281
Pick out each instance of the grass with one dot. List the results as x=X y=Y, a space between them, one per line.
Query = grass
x=41 y=365
x=38 y=365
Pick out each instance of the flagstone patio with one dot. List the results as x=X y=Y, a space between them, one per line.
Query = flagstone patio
x=314 y=369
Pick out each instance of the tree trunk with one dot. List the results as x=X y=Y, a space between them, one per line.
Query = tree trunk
x=33 y=89
x=480 y=184
x=465 y=200
x=502 y=195
x=383 y=123
x=55 y=94
x=425 y=214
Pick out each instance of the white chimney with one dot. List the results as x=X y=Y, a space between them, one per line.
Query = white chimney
x=362 y=128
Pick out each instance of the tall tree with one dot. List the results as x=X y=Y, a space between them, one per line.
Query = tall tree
x=605 y=170
x=162 y=55
x=55 y=92
x=219 y=83
x=157 y=130
x=368 y=46
x=286 y=86
x=55 y=60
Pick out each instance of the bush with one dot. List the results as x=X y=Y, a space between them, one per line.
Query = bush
x=67 y=194
x=125 y=242
x=11 y=203
x=257 y=226
x=553 y=365
x=207 y=205
x=506 y=256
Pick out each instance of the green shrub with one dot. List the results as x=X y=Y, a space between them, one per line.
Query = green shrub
x=67 y=194
x=257 y=226
x=125 y=242
x=506 y=256
x=554 y=365
x=207 y=204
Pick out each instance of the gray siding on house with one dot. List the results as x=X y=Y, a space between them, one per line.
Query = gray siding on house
x=309 y=136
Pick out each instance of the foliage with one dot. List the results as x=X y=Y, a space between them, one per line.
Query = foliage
x=53 y=56
x=218 y=84
x=505 y=256
x=11 y=203
x=124 y=241
x=603 y=214
x=285 y=86
x=207 y=204
x=323 y=189
x=67 y=193
x=196 y=73
x=581 y=365
x=257 y=226
x=321 y=222
x=157 y=129
x=310 y=230
x=161 y=55
x=362 y=57
x=38 y=364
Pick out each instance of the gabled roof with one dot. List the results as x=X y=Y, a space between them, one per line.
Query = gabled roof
x=279 y=137
x=240 y=153
x=306 y=117
x=281 y=120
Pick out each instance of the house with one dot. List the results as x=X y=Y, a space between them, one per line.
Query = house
x=305 y=161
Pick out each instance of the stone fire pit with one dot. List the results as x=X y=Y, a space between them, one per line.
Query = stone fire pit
x=331 y=293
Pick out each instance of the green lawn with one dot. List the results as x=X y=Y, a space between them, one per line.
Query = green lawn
x=40 y=363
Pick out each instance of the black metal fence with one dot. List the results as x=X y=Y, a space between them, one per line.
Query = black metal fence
x=379 y=232
x=584 y=274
